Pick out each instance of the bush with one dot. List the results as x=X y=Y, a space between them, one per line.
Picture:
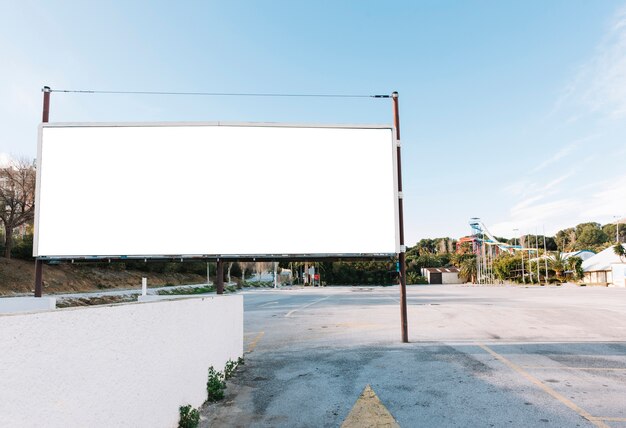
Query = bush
x=216 y=385
x=187 y=291
x=189 y=417
x=414 y=278
x=230 y=368
x=22 y=247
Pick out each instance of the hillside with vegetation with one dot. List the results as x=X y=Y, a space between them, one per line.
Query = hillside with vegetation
x=17 y=183
x=442 y=252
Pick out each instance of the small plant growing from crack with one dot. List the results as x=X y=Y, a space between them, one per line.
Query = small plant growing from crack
x=231 y=367
x=189 y=417
x=216 y=385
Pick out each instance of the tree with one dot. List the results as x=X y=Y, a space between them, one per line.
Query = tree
x=506 y=265
x=230 y=266
x=426 y=246
x=17 y=199
x=612 y=230
x=590 y=235
x=620 y=251
x=575 y=264
x=468 y=269
x=557 y=264
x=565 y=239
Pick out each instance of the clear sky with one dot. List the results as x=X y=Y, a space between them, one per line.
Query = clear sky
x=511 y=111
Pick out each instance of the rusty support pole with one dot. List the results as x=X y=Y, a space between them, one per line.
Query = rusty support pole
x=38 y=263
x=219 y=277
x=401 y=255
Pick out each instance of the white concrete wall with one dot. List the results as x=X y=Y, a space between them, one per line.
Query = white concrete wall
x=129 y=365
x=26 y=304
x=618 y=275
x=451 y=278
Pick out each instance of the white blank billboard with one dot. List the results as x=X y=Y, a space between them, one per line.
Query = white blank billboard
x=111 y=190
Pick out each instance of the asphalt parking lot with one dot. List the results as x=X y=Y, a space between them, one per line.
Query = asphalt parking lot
x=478 y=356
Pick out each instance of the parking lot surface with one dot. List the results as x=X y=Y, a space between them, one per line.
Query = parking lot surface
x=478 y=356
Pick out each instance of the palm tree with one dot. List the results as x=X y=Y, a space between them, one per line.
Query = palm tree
x=468 y=270
x=620 y=251
x=557 y=264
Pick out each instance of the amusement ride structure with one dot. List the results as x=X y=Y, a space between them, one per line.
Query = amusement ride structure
x=487 y=247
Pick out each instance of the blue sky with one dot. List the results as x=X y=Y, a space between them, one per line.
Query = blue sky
x=514 y=112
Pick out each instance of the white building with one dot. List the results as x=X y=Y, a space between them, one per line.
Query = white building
x=442 y=275
x=583 y=254
x=605 y=268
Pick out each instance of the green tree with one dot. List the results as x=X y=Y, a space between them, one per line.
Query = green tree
x=610 y=230
x=505 y=266
x=558 y=264
x=467 y=269
x=565 y=239
x=575 y=264
x=620 y=251
x=590 y=236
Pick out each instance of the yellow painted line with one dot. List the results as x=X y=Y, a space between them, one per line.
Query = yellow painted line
x=617 y=369
x=305 y=306
x=254 y=342
x=368 y=411
x=610 y=419
x=561 y=399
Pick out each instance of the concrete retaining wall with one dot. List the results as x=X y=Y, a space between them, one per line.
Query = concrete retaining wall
x=26 y=304
x=122 y=365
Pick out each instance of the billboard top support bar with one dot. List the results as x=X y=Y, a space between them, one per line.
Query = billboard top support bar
x=217 y=94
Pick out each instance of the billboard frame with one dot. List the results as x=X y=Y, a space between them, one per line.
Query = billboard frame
x=398 y=207
x=217 y=257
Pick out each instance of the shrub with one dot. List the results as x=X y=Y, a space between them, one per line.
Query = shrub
x=230 y=368
x=189 y=417
x=414 y=278
x=187 y=291
x=22 y=247
x=216 y=385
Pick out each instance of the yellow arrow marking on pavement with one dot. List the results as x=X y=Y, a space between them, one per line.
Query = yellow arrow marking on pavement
x=368 y=412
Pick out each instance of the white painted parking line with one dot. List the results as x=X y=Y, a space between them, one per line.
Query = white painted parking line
x=267 y=304
x=304 y=307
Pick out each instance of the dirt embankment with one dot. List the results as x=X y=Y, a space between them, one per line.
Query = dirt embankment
x=18 y=277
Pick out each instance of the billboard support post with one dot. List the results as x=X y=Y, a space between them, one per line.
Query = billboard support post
x=38 y=263
x=401 y=255
x=219 y=279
